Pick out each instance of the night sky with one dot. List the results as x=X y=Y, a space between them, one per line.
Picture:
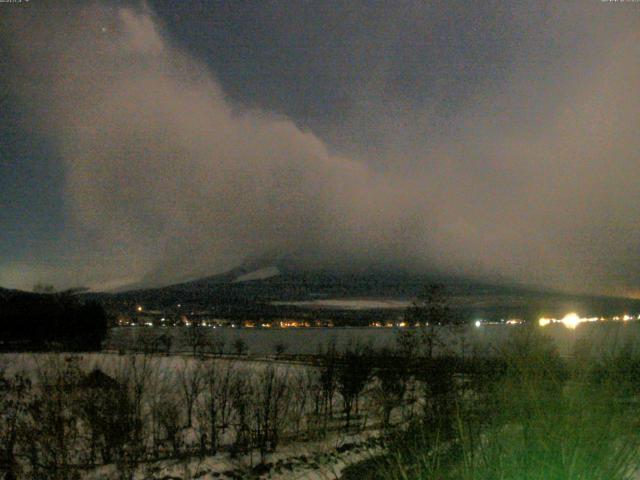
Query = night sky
x=152 y=142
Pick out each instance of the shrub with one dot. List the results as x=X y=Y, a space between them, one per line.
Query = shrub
x=546 y=422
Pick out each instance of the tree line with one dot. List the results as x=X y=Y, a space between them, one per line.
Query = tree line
x=50 y=321
x=62 y=418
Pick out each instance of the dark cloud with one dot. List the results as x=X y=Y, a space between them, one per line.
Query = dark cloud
x=519 y=162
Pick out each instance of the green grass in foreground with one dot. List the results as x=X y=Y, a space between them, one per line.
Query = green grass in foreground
x=540 y=418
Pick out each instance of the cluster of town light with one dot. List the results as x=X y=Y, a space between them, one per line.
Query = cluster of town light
x=572 y=320
x=512 y=321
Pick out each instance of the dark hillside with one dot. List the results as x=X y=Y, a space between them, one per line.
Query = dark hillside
x=33 y=321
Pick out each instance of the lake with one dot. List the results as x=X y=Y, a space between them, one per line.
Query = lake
x=603 y=336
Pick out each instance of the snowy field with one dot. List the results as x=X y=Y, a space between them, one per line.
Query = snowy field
x=350 y=304
x=176 y=401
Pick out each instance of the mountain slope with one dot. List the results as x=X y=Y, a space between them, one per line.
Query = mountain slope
x=257 y=291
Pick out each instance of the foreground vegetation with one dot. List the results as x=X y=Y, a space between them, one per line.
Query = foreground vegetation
x=65 y=415
x=524 y=414
x=518 y=411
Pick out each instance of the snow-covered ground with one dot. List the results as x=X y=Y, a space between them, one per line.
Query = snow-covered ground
x=350 y=303
x=320 y=460
x=261 y=274
x=299 y=455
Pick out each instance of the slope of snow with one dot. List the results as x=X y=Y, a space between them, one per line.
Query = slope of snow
x=261 y=274
x=349 y=304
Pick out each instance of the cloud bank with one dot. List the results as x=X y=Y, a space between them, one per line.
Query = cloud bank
x=168 y=178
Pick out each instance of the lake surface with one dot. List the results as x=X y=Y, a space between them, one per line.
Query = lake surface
x=601 y=337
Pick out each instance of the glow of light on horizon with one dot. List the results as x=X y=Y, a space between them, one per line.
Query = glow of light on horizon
x=572 y=320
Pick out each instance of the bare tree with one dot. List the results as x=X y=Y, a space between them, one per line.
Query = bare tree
x=328 y=381
x=224 y=395
x=100 y=401
x=157 y=388
x=432 y=309
x=300 y=392
x=134 y=374
x=316 y=392
x=270 y=407
x=353 y=373
x=197 y=338
x=408 y=343
x=216 y=405
x=156 y=342
x=239 y=346
x=54 y=430
x=279 y=348
x=148 y=342
x=190 y=381
x=169 y=419
x=393 y=375
x=241 y=399
x=218 y=346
